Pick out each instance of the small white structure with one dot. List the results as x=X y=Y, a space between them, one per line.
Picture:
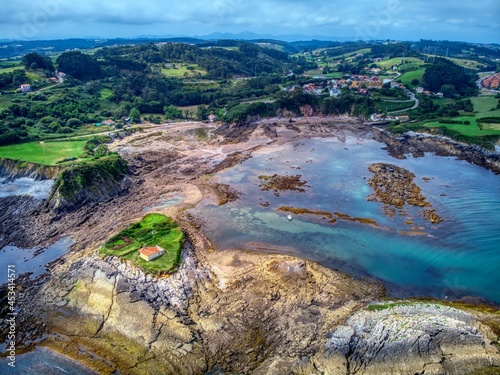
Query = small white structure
x=151 y=253
x=289 y=217
x=25 y=88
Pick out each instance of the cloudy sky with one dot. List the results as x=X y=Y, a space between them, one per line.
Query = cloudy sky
x=474 y=21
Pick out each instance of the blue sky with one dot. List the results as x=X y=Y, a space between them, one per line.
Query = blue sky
x=474 y=21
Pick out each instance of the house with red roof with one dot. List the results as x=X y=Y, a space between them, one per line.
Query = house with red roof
x=151 y=253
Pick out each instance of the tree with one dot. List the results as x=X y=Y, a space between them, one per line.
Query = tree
x=415 y=82
x=33 y=61
x=446 y=72
x=449 y=91
x=202 y=113
x=135 y=115
x=79 y=65
x=74 y=123
x=172 y=112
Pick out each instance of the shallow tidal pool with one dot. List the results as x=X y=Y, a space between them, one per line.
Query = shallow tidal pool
x=458 y=257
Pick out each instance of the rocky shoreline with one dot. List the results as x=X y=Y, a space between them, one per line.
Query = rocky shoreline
x=231 y=312
x=418 y=144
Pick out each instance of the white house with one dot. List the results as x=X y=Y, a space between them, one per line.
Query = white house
x=151 y=253
x=25 y=88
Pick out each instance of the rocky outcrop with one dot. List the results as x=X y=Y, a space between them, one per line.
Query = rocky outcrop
x=231 y=312
x=418 y=144
x=410 y=339
x=394 y=186
x=89 y=182
x=13 y=169
x=11 y=221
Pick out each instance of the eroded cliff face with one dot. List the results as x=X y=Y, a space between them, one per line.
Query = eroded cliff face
x=89 y=182
x=13 y=169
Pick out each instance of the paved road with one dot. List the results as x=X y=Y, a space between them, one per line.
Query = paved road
x=167 y=126
x=412 y=97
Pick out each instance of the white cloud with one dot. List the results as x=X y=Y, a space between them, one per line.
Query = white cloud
x=403 y=18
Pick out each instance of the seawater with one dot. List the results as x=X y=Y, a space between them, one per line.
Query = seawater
x=44 y=361
x=459 y=257
x=32 y=260
x=25 y=186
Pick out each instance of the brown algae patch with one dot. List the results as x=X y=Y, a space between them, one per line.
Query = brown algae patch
x=279 y=183
x=328 y=215
x=394 y=187
x=305 y=211
x=361 y=220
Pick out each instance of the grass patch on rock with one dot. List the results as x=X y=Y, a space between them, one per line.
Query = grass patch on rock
x=153 y=229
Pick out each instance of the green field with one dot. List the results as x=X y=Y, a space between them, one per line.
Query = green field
x=35 y=75
x=47 y=153
x=153 y=229
x=397 y=61
x=314 y=72
x=335 y=75
x=10 y=69
x=106 y=93
x=351 y=54
x=471 y=64
x=183 y=70
x=406 y=78
x=483 y=105
x=471 y=130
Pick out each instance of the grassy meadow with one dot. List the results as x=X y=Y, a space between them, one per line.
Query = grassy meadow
x=182 y=70
x=46 y=153
x=471 y=64
x=406 y=78
x=153 y=229
x=471 y=130
x=385 y=64
x=10 y=69
x=106 y=93
x=486 y=106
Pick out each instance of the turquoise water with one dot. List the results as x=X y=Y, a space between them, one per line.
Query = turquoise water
x=459 y=257
x=32 y=260
x=167 y=201
x=43 y=361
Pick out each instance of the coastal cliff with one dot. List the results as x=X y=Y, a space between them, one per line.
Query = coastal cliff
x=13 y=169
x=89 y=182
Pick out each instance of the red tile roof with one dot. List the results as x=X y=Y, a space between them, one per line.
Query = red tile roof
x=148 y=251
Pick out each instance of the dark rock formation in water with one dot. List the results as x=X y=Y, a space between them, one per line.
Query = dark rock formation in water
x=418 y=144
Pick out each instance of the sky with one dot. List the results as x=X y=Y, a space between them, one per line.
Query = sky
x=471 y=21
